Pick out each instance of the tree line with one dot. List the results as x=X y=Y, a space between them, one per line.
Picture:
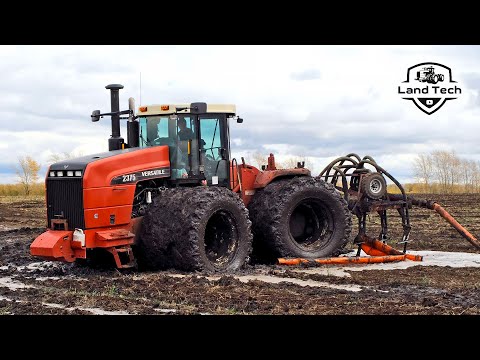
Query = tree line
x=445 y=172
x=26 y=172
x=437 y=172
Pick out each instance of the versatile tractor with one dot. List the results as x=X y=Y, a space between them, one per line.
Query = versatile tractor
x=173 y=197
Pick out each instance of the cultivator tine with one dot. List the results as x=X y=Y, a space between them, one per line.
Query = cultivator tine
x=362 y=219
x=406 y=228
x=359 y=250
x=383 y=219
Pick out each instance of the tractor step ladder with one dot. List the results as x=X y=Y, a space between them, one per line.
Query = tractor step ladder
x=125 y=249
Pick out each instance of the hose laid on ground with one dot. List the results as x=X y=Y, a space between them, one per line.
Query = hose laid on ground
x=464 y=232
x=375 y=247
x=432 y=205
x=344 y=260
x=378 y=251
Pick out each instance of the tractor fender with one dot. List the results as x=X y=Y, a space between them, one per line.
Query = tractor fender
x=266 y=177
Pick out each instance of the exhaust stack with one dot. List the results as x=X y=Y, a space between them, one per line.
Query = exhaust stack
x=116 y=141
x=132 y=125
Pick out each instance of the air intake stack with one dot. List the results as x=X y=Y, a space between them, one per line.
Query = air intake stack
x=115 y=142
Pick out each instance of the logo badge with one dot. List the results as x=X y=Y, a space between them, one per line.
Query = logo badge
x=429 y=85
x=65 y=166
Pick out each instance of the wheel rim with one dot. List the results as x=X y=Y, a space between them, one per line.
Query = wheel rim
x=375 y=186
x=311 y=225
x=221 y=238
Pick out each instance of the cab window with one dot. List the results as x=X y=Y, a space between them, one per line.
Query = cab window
x=152 y=129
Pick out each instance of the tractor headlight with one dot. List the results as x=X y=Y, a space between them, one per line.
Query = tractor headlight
x=78 y=173
x=69 y=173
x=52 y=173
x=59 y=173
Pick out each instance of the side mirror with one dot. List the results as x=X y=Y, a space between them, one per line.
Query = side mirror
x=239 y=120
x=95 y=115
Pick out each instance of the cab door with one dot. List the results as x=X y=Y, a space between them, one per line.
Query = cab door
x=213 y=148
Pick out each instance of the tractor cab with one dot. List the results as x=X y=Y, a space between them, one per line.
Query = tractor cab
x=429 y=70
x=197 y=136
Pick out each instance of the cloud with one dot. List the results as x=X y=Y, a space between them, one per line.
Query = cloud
x=309 y=74
x=47 y=94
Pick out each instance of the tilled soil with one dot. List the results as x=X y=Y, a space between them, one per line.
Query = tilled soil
x=31 y=286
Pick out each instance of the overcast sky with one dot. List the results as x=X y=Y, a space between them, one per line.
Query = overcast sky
x=316 y=101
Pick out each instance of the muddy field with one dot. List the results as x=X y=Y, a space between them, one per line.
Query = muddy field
x=446 y=282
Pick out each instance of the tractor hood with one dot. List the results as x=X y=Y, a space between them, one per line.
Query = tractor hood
x=80 y=163
x=118 y=167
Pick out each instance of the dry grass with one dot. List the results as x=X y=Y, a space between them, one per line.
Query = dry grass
x=435 y=188
x=37 y=189
x=10 y=199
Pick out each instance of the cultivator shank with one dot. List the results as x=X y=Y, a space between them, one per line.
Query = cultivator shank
x=364 y=187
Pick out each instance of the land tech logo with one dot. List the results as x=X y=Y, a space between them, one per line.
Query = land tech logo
x=429 y=85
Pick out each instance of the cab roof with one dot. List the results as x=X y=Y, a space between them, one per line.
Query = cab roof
x=171 y=108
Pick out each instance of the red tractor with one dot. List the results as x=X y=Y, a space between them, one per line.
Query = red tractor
x=173 y=197
x=427 y=74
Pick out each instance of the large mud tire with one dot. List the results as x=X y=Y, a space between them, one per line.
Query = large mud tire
x=195 y=229
x=299 y=217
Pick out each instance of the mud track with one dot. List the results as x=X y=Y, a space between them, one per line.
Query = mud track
x=30 y=286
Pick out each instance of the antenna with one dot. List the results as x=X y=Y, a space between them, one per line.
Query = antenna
x=140 y=88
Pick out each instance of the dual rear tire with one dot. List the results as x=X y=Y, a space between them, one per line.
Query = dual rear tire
x=302 y=217
x=209 y=228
